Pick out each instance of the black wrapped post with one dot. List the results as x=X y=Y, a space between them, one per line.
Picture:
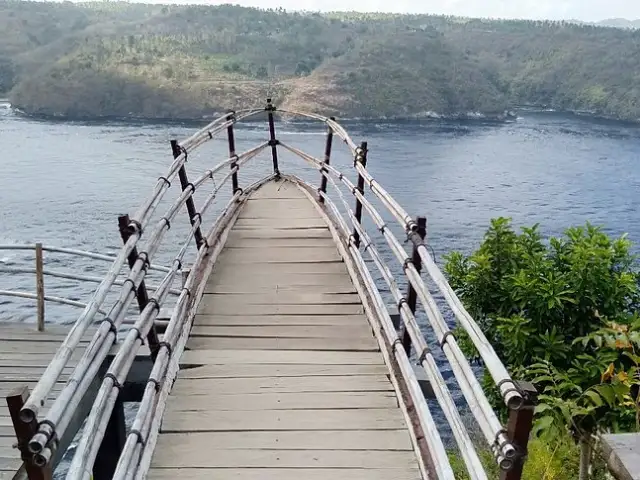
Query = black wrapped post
x=412 y=296
x=519 y=428
x=141 y=293
x=232 y=153
x=361 y=157
x=184 y=183
x=327 y=160
x=273 y=143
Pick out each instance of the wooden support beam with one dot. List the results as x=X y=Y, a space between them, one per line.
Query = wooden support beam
x=361 y=157
x=184 y=183
x=232 y=152
x=24 y=432
x=40 y=286
x=519 y=429
x=412 y=296
x=141 y=293
x=273 y=143
x=327 y=160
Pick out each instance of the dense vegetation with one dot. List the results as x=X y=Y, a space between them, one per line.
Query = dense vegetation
x=116 y=58
x=563 y=314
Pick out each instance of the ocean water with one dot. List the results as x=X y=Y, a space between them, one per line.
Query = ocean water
x=65 y=183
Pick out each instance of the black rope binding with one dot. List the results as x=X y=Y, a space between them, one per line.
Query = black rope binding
x=193 y=188
x=397 y=341
x=166 y=180
x=167 y=221
x=116 y=383
x=139 y=435
x=139 y=334
x=155 y=382
x=407 y=261
x=184 y=150
x=167 y=346
x=146 y=261
x=402 y=301
x=446 y=335
x=423 y=354
x=112 y=326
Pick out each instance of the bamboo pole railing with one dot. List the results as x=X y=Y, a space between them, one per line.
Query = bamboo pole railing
x=353 y=240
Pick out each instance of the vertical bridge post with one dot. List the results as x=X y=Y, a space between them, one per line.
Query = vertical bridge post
x=412 y=296
x=327 y=160
x=273 y=143
x=361 y=157
x=141 y=294
x=232 y=152
x=24 y=431
x=184 y=183
x=40 y=286
x=519 y=428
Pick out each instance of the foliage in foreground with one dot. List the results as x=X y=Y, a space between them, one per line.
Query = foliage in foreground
x=544 y=462
x=562 y=314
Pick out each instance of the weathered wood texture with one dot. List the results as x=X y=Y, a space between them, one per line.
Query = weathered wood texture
x=283 y=378
x=24 y=355
x=622 y=453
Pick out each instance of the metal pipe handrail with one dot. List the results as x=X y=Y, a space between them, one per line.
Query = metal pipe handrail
x=72 y=251
x=48 y=298
x=138 y=448
x=71 y=276
x=488 y=421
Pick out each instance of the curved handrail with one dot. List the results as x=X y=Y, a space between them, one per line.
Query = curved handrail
x=136 y=456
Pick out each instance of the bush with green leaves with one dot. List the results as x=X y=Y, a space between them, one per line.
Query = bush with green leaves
x=563 y=314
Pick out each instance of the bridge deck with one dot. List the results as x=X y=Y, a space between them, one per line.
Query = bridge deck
x=282 y=377
x=24 y=356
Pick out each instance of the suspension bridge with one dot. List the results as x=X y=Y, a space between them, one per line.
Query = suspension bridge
x=278 y=357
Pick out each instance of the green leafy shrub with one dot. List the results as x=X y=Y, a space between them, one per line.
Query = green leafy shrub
x=562 y=314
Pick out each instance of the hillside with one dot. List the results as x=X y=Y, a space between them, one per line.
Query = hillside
x=155 y=61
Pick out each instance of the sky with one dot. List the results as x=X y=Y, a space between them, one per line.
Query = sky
x=585 y=10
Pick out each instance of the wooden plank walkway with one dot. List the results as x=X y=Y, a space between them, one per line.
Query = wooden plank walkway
x=282 y=377
x=24 y=356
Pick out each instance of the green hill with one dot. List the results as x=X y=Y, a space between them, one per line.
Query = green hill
x=155 y=61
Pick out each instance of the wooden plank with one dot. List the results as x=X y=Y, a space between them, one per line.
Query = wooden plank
x=265 y=279
x=222 y=357
x=278 y=331
x=278 y=233
x=280 y=255
x=304 y=420
x=622 y=451
x=205 y=458
x=279 y=190
x=279 y=271
x=396 y=440
x=227 y=386
x=242 y=343
x=298 y=211
x=279 y=224
x=400 y=473
x=260 y=243
x=280 y=320
x=282 y=297
x=10 y=463
x=253 y=285
x=239 y=371
x=230 y=306
x=283 y=401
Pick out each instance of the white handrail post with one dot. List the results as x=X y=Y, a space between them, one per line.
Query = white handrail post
x=40 y=286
